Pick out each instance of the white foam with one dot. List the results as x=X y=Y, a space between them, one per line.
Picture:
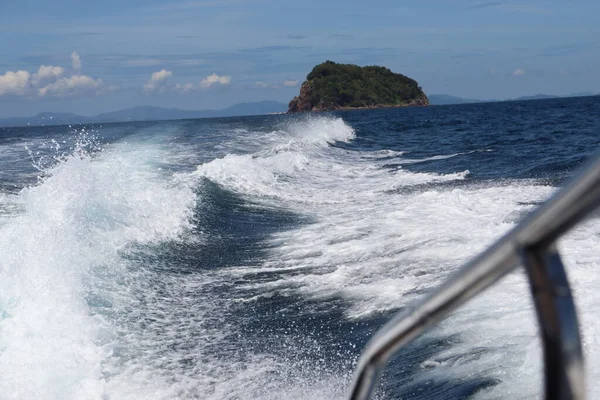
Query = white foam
x=407 y=161
x=380 y=238
x=383 y=154
x=379 y=247
x=70 y=246
x=73 y=226
x=299 y=167
x=382 y=251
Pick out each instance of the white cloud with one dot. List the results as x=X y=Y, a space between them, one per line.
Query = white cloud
x=215 y=79
x=518 y=72
x=76 y=61
x=15 y=83
x=50 y=80
x=46 y=73
x=74 y=85
x=290 y=82
x=158 y=81
x=186 y=87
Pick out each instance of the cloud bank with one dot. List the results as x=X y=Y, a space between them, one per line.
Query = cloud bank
x=76 y=84
x=158 y=83
x=51 y=80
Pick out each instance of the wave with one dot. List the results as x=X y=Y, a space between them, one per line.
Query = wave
x=378 y=248
x=406 y=161
x=299 y=166
x=89 y=307
x=69 y=236
x=383 y=254
x=108 y=288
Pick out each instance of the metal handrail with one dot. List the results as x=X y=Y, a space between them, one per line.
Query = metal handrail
x=531 y=242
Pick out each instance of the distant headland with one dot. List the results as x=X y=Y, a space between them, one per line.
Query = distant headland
x=145 y=113
x=332 y=86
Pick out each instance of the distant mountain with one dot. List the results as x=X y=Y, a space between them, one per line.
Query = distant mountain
x=146 y=113
x=444 y=99
x=583 y=94
x=537 y=97
x=149 y=113
x=45 y=118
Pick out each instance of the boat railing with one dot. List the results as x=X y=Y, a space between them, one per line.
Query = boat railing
x=531 y=244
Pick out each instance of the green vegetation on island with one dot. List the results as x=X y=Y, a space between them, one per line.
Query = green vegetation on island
x=332 y=86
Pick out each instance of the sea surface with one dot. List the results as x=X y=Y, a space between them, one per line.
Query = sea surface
x=253 y=258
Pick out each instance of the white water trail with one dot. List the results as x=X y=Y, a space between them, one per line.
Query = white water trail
x=379 y=240
x=73 y=226
x=382 y=238
x=298 y=166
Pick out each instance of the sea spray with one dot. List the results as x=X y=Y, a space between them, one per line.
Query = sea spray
x=83 y=213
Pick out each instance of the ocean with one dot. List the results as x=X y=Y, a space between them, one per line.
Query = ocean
x=253 y=257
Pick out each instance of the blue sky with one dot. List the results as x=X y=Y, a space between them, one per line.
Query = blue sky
x=92 y=57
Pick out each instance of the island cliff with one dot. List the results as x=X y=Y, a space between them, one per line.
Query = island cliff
x=332 y=86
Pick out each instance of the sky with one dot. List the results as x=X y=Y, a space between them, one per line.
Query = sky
x=93 y=57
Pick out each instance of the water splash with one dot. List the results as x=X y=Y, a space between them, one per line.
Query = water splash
x=84 y=212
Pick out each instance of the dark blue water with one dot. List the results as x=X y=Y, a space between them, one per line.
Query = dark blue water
x=254 y=257
x=543 y=139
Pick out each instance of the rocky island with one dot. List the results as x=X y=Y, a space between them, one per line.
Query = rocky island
x=332 y=86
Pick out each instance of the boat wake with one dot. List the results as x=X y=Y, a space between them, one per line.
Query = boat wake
x=238 y=260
